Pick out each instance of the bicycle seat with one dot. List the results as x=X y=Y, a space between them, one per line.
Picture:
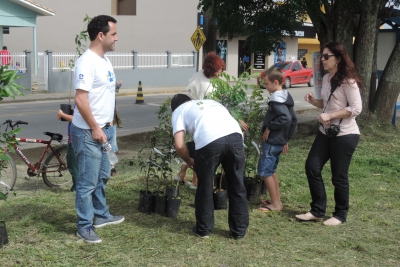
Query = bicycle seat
x=54 y=136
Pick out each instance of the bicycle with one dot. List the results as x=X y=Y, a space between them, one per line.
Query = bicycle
x=54 y=169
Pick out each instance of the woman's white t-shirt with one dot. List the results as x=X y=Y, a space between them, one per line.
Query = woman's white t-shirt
x=199 y=85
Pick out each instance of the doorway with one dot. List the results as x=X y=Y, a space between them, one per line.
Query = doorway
x=244 y=58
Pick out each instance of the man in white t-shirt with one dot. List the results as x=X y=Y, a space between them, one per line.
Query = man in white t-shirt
x=95 y=102
x=218 y=140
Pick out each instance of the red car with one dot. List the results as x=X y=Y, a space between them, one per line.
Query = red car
x=293 y=73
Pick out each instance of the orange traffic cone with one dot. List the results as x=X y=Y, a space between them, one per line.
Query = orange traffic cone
x=139 y=96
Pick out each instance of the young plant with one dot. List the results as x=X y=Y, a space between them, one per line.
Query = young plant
x=80 y=40
x=161 y=162
x=232 y=93
x=253 y=110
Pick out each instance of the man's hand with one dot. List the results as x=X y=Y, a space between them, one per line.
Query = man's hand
x=117 y=86
x=99 y=135
x=181 y=148
x=244 y=125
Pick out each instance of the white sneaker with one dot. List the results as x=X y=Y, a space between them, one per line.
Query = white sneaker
x=193 y=187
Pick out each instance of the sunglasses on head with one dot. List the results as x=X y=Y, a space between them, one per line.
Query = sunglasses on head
x=326 y=56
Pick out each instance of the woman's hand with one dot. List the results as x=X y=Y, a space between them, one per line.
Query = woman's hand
x=325 y=118
x=309 y=97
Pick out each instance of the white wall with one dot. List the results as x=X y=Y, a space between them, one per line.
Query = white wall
x=291 y=49
x=386 y=42
x=158 y=26
x=232 y=60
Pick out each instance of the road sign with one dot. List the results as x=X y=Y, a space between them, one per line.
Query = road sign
x=198 y=38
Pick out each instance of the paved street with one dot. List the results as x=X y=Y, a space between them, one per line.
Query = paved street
x=41 y=115
x=40 y=110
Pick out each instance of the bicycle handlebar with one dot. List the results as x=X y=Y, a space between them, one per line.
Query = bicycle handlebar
x=10 y=123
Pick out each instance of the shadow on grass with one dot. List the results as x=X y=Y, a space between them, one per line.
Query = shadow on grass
x=44 y=216
x=128 y=205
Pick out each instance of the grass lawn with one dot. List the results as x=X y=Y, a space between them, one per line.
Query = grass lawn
x=42 y=232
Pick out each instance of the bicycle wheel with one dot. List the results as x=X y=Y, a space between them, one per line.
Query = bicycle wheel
x=55 y=172
x=8 y=174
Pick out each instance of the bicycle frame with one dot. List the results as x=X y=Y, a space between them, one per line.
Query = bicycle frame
x=37 y=167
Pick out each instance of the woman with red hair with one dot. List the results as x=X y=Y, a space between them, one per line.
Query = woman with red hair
x=199 y=87
x=199 y=84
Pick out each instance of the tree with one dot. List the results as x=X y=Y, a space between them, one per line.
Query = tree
x=266 y=22
x=261 y=21
x=345 y=19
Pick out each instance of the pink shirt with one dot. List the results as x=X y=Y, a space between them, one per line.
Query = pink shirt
x=347 y=97
x=5 y=57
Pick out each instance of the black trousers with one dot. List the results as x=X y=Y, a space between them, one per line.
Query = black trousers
x=229 y=152
x=340 y=151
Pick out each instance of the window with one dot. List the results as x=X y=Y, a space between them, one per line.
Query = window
x=123 y=7
x=296 y=67
x=281 y=65
x=301 y=53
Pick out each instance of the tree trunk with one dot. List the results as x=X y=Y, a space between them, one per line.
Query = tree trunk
x=374 y=74
x=389 y=86
x=322 y=22
x=345 y=23
x=364 y=48
x=209 y=32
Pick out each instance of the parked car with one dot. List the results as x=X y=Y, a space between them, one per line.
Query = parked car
x=293 y=73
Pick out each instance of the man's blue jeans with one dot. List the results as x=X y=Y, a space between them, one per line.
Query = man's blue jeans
x=229 y=152
x=94 y=172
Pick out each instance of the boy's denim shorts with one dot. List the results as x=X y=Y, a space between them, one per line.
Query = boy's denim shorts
x=269 y=159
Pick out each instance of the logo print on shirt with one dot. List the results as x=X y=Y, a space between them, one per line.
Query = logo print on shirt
x=80 y=76
x=110 y=76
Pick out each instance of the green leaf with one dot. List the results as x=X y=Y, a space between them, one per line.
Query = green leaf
x=3 y=157
x=17 y=89
x=10 y=77
x=3 y=197
x=8 y=91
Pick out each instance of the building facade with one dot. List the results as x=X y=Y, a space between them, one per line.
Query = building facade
x=151 y=26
